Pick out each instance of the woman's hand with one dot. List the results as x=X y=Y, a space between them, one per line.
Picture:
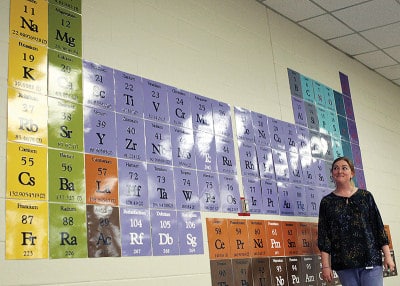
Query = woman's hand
x=327 y=274
x=388 y=263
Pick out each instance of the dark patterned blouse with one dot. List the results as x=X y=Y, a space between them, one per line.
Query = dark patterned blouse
x=351 y=230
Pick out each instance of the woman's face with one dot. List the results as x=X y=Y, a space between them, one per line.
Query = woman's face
x=341 y=172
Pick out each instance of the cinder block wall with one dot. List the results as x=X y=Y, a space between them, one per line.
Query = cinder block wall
x=235 y=51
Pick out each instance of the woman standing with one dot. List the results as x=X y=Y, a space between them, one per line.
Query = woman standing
x=351 y=234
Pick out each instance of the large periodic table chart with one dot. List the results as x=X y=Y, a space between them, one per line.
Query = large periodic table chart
x=102 y=162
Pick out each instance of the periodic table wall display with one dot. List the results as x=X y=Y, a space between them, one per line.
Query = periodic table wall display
x=105 y=163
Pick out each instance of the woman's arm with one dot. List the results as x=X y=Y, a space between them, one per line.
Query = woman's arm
x=327 y=273
x=388 y=263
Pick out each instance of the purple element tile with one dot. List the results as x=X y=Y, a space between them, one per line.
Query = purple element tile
x=344 y=82
x=291 y=137
x=328 y=169
x=180 y=112
x=135 y=232
x=280 y=165
x=262 y=136
x=353 y=133
x=276 y=129
x=132 y=184
x=313 y=199
x=286 y=198
x=269 y=193
x=158 y=143
x=295 y=172
x=229 y=194
x=226 y=160
x=160 y=184
x=300 y=200
x=307 y=166
x=186 y=189
x=206 y=156
x=299 y=111
x=295 y=83
x=265 y=162
x=183 y=153
x=99 y=131
x=130 y=137
x=248 y=159
x=222 y=119
x=315 y=144
x=312 y=116
x=319 y=94
x=164 y=232
x=202 y=117
x=190 y=233
x=321 y=174
x=357 y=160
x=244 y=124
x=155 y=100
x=303 y=140
x=98 y=83
x=252 y=193
x=326 y=145
x=360 y=178
x=209 y=191
x=348 y=105
x=128 y=93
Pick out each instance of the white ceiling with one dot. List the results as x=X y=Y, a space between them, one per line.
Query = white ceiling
x=368 y=31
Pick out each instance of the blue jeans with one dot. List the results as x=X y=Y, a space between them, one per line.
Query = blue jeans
x=361 y=276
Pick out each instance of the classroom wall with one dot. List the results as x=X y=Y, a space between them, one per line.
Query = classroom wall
x=235 y=51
